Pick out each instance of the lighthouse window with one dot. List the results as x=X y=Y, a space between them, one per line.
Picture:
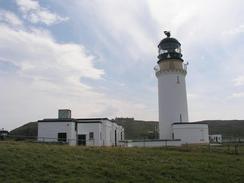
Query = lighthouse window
x=161 y=51
x=178 y=50
x=178 y=80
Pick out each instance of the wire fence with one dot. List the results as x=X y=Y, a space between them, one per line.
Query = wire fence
x=229 y=145
x=49 y=140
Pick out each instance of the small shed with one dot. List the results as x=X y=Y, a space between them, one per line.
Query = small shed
x=191 y=133
x=3 y=134
x=215 y=138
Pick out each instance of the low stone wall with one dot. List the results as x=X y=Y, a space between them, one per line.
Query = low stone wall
x=150 y=143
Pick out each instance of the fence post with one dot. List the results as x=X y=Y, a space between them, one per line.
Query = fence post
x=236 y=149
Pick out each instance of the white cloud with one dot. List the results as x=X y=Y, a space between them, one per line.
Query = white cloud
x=237 y=95
x=44 y=71
x=138 y=27
x=33 y=12
x=234 y=31
x=121 y=23
x=46 y=76
x=239 y=81
x=47 y=72
x=9 y=18
x=40 y=56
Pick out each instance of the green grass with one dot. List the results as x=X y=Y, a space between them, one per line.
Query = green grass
x=31 y=162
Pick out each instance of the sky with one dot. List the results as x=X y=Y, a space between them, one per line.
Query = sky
x=96 y=57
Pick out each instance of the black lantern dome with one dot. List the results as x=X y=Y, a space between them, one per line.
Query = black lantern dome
x=169 y=48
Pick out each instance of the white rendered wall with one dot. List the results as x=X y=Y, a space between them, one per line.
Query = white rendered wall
x=172 y=101
x=191 y=133
x=152 y=143
x=86 y=128
x=104 y=133
x=119 y=134
x=108 y=133
x=48 y=131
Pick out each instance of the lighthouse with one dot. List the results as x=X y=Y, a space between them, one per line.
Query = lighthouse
x=171 y=73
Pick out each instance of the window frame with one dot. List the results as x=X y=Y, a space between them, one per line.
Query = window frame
x=91 y=135
x=62 y=137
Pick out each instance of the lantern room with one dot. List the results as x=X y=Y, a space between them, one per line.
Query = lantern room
x=169 y=48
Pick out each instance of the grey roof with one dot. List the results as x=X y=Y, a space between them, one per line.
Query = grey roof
x=88 y=119
x=58 y=120
x=187 y=123
x=85 y=120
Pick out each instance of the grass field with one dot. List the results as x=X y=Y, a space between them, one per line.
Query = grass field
x=32 y=162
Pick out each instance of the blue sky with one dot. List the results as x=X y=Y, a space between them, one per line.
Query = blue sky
x=97 y=57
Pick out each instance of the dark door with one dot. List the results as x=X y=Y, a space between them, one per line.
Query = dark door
x=81 y=140
x=115 y=137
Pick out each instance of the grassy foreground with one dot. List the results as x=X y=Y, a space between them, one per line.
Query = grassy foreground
x=30 y=162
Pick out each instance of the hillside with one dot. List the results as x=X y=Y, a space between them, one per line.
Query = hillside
x=32 y=162
x=29 y=130
x=138 y=129
x=228 y=128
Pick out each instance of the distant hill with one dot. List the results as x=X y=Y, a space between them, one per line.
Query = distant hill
x=228 y=128
x=29 y=129
x=138 y=129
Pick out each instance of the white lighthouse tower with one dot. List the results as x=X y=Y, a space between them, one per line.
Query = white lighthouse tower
x=172 y=99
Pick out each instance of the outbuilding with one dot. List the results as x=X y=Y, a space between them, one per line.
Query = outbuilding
x=80 y=131
x=190 y=133
x=3 y=134
x=215 y=138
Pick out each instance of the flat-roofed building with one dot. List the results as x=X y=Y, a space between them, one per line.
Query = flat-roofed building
x=80 y=131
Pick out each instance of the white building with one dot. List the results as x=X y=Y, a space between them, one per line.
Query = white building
x=190 y=133
x=89 y=131
x=215 y=138
x=173 y=112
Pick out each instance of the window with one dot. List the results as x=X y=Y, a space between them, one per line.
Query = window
x=178 y=80
x=91 y=135
x=62 y=137
x=76 y=126
x=121 y=135
x=178 y=50
x=161 y=51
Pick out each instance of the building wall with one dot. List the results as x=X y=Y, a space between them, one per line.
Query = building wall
x=191 y=133
x=151 y=143
x=48 y=131
x=103 y=133
x=86 y=128
x=108 y=133
x=172 y=100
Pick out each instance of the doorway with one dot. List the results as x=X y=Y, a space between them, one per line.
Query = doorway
x=115 y=137
x=81 y=140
